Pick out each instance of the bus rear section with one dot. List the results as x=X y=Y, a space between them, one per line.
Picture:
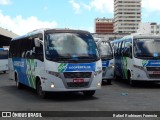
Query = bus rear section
x=57 y=61
x=3 y=60
x=107 y=60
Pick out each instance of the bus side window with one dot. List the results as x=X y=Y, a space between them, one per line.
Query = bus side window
x=123 y=49
x=26 y=48
x=119 y=48
x=14 y=50
x=116 y=50
x=128 y=50
x=39 y=53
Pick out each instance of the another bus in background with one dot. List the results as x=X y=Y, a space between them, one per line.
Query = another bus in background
x=137 y=58
x=3 y=60
x=97 y=39
x=106 y=53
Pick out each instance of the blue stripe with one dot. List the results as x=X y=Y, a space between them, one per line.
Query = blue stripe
x=80 y=67
x=154 y=63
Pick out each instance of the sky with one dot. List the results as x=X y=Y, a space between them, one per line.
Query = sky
x=22 y=16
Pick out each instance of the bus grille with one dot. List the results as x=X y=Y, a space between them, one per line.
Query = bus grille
x=153 y=68
x=77 y=74
x=154 y=76
x=77 y=85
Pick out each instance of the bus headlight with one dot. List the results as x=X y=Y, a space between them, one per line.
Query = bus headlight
x=112 y=66
x=57 y=74
x=52 y=85
x=99 y=84
x=139 y=67
x=97 y=73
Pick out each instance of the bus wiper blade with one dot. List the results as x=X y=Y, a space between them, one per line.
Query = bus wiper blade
x=88 y=58
x=145 y=55
x=51 y=59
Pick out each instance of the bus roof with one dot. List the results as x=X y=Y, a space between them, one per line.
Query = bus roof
x=137 y=36
x=47 y=30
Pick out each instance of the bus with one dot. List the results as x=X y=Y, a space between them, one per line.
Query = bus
x=3 y=60
x=4 y=48
x=54 y=60
x=137 y=58
x=106 y=53
x=96 y=39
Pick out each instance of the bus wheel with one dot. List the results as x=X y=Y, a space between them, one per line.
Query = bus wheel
x=40 y=92
x=4 y=72
x=109 y=82
x=131 y=82
x=89 y=93
x=116 y=77
x=18 y=84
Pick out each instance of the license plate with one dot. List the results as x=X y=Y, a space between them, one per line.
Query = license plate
x=78 y=80
x=156 y=72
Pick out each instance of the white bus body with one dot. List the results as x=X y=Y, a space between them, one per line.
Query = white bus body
x=3 y=59
x=137 y=58
x=106 y=53
x=56 y=60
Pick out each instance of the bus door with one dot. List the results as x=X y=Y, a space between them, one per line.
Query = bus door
x=126 y=53
x=118 y=60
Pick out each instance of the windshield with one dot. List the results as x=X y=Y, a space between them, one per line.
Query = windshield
x=70 y=46
x=147 y=48
x=4 y=54
x=105 y=50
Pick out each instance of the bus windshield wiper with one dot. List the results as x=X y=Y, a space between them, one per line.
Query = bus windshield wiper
x=88 y=57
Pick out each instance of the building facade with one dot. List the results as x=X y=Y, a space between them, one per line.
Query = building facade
x=5 y=37
x=127 y=15
x=104 y=25
x=149 y=28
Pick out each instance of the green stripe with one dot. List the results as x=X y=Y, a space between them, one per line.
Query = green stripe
x=30 y=71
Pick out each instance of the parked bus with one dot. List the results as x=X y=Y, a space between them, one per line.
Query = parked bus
x=3 y=59
x=106 y=53
x=97 y=39
x=4 y=47
x=137 y=58
x=50 y=60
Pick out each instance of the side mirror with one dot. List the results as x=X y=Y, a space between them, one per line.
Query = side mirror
x=37 y=42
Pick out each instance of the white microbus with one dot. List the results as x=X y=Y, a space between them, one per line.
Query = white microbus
x=51 y=60
x=106 y=53
x=3 y=59
x=137 y=58
x=97 y=39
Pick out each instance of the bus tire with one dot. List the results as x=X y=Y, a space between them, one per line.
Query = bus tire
x=89 y=93
x=131 y=82
x=4 y=72
x=18 y=84
x=116 y=77
x=109 y=82
x=40 y=92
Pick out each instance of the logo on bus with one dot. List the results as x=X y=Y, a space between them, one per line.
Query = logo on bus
x=151 y=63
x=63 y=67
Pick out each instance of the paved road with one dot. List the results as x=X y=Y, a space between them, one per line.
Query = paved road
x=119 y=96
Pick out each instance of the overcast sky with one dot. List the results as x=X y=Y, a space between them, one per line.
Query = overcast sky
x=22 y=16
